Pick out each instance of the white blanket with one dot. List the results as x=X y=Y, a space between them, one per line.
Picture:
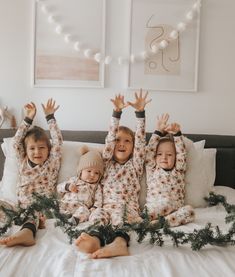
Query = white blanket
x=54 y=256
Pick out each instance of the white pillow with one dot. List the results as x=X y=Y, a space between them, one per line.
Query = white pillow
x=10 y=176
x=70 y=158
x=200 y=173
x=228 y=192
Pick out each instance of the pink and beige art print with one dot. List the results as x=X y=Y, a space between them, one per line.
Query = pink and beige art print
x=68 y=34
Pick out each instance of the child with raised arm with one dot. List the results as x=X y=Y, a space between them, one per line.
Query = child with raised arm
x=124 y=156
x=165 y=168
x=39 y=163
x=82 y=194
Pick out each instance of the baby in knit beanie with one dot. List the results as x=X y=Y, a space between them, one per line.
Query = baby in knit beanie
x=82 y=194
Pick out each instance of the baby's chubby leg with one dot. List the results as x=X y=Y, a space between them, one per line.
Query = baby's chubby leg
x=87 y=243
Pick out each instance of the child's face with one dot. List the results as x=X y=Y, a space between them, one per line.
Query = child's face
x=36 y=151
x=90 y=175
x=166 y=155
x=123 y=148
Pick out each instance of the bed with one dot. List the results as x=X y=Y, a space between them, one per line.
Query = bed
x=211 y=167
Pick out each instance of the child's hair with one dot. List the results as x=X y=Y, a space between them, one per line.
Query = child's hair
x=37 y=133
x=166 y=138
x=127 y=131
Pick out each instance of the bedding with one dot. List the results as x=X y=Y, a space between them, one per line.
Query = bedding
x=53 y=255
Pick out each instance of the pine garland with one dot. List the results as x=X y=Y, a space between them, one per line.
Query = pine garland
x=157 y=231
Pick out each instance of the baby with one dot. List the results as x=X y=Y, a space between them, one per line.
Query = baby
x=82 y=194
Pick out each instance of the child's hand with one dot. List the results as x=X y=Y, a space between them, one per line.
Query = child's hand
x=140 y=101
x=50 y=107
x=173 y=128
x=162 y=123
x=73 y=188
x=119 y=103
x=30 y=110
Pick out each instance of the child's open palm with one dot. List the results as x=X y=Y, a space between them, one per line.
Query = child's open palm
x=30 y=110
x=162 y=124
x=173 y=128
x=119 y=103
x=140 y=101
x=50 y=107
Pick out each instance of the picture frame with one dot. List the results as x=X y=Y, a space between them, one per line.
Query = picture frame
x=68 y=35
x=175 y=67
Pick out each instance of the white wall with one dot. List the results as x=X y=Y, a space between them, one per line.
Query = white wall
x=210 y=110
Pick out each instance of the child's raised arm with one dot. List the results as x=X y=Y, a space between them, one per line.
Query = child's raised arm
x=180 y=162
x=140 y=101
x=30 y=112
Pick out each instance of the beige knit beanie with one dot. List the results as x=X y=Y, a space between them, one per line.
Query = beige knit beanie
x=90 y=158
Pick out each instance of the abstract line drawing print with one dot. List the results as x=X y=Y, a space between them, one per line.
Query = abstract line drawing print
x=166 y=61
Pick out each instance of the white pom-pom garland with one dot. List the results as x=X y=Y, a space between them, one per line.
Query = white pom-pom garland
x=197 y=6
x=133 y=58
x=51 y=18
x=88 y=53
x=155 y=49
x=181 y=26
x=173 y=34
x=145 y=55
x=97 y=57
x=189 y=16
x=76 y=46
x=67 y=38
x=44 y=9
x=163 y=44
x=107 y=59
x=59 y=29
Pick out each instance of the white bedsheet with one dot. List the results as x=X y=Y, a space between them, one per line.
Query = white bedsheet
x=54 y=256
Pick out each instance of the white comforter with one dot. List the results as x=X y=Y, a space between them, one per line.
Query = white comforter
x=54 y=256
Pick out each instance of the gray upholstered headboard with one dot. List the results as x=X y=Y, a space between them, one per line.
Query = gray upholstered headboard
x=225 y=157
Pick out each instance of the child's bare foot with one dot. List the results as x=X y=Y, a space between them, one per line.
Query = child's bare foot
x=87 y=244
x=23 y=237
x=117 y=248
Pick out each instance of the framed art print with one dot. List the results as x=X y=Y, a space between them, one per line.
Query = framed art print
x=68 y=35
x=164 y=39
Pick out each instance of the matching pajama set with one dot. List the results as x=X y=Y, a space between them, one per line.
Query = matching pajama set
x=121 y=182
x=166 y=188
x=82 y=203
x=40 y=179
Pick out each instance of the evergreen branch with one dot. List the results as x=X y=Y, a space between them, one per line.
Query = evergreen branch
x=156 y=230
